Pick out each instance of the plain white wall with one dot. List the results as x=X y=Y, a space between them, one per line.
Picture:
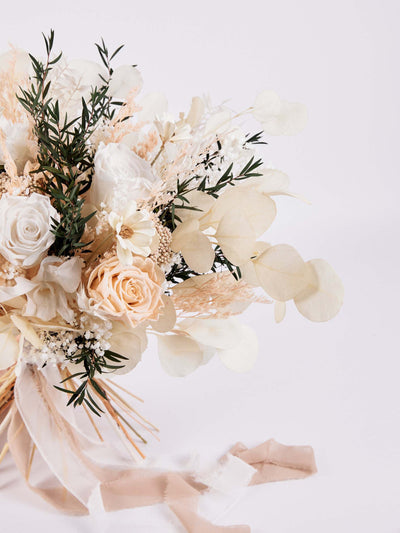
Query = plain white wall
x=333 y=385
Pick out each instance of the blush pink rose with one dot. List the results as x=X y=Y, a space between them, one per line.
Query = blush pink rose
x=131 y=293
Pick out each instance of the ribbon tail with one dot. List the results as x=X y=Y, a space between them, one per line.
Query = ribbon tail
x=277 y=462
x=51 y=490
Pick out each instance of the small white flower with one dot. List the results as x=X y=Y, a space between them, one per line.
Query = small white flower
x=134 y=232
x=120 y=177
x=54 y=282
x=25 y=223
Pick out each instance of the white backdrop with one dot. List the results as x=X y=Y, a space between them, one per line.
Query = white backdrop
x=336 y=385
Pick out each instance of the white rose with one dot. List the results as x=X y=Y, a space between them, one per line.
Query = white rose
x=120 y=177
x=25 y=223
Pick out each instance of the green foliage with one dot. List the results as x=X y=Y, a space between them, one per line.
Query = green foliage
x=181 y=272
x=93 y=365
x=255 y=139
x=229 y=178
x=65 y=156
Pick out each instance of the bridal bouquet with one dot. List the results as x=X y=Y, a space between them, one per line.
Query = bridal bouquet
x=119 y=220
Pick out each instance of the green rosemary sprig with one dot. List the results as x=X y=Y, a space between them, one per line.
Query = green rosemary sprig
x=93 y=365
x=255 y=138
x=65 y=156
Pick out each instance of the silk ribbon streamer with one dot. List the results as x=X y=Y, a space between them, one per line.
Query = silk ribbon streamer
x=79 y=476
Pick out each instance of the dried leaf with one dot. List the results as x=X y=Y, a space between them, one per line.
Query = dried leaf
x=179 y=355
x=167 y=318
x=281 y=272
x=236 y=237
x=242 y=356
x=279 y=311
x=9 y=347
x=322 y=299
x=259 y=209
x=27 y=330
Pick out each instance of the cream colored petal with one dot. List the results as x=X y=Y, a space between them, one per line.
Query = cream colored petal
x=114 y=220
x=129 y=342
x=219 y=333
x=273 y=181
x=198 y=199
x=281 y=272
x=152 y=105
x=242 y=356
x=21 y=287
x=9 y=346
x=267 y=103
x=123 y=80
x=248 y=270
x=181 y=234
x=198 y=252
x=279 y=311
x=27 y=330
x=217 y=121
x=167 y=317
x=259 y=209
x=179 y=355
x=323 y=297
x=191 y=285
x=124 y=254
x=68 y=274
x=236 y=237
x=196 y=111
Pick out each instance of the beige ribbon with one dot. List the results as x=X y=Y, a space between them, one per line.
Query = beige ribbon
x=41 y=430
x=142 y=486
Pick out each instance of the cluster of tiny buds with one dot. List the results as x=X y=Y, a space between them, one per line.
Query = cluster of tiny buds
x=164 y=254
